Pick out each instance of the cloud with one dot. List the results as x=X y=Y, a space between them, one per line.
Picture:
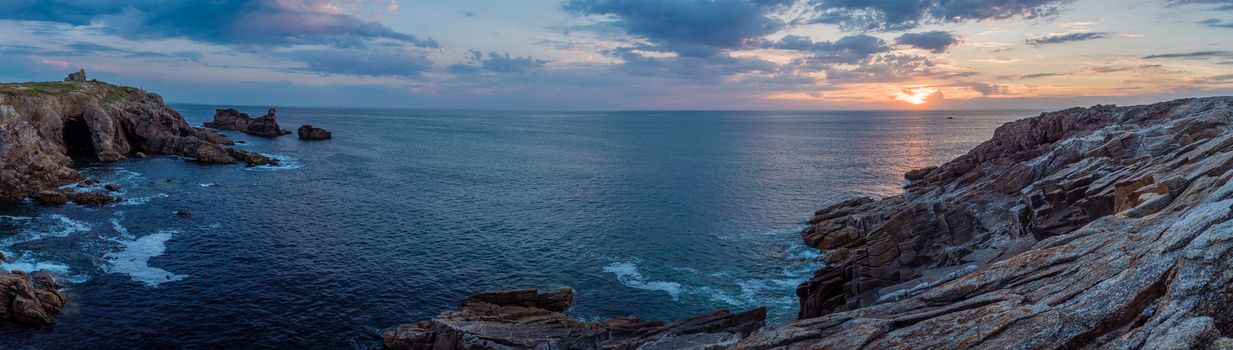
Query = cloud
x=1191 y=55
x=848 y=49
x=935 y=41
x=986 y=89
x=1114 y=69
x=1065 y=38
x=1215 y=79
x=1221 y=5
x=496 y=63
x=893 y=15
x=375 y=62
x=696 y=28
x=892 y=67
x=225 y=22
x=1216 y=23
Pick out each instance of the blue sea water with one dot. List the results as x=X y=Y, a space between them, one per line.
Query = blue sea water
x=655 y=214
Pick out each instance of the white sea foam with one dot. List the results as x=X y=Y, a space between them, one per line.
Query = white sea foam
x=284 y=163
x=55 y=225
x=143 y=200
x=134 y=259
x=627 y=273
x=210 y=184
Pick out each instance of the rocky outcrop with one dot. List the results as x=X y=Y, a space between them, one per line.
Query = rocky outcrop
x=231 y=119
x=308 y=132
x=529 y=319
x=31 y=299
x=43 y=125
x=1102 y=227
x=79 y=75
x=251 y=158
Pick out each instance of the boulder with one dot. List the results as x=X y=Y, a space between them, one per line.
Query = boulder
x=30 y=301
x=530 y=319
x=112 y=187
x=308 y=132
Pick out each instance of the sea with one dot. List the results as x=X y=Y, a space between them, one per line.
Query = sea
x=656 y=214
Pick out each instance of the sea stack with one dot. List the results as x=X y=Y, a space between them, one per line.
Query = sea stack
x=231 y=119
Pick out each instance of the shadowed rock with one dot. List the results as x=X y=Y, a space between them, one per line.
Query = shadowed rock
x=529 y=319
x=231 y=119
x=31 y=299
x=308 y=132
x=1103 y=227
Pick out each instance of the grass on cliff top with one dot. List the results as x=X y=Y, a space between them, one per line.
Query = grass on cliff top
x=113 y=93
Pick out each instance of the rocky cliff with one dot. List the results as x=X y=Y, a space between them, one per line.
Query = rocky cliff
x=43 y=125
x=1101 y=227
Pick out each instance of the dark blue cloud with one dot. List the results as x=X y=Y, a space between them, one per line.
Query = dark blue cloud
x=496 y=63
x=1065 y=38
x=227 y=22
x=696 y=28
x=1192 y=55
x=848 y=49
x=376 y=62
x=935 y=41
x=891 y=15
x=1216 y=23
x=1222 y=5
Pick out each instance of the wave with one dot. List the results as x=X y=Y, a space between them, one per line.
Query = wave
x=34 y=229
x=284 y=163
x=133 y=259
x=143 y=200
x=627 y=273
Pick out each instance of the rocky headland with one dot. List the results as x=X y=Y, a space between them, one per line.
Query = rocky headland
x=44 y=126
x=1102 y=227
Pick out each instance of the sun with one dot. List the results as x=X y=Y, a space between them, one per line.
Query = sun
x=915 y=96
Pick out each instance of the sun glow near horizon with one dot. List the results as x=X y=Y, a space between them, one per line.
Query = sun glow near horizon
x=916 y=96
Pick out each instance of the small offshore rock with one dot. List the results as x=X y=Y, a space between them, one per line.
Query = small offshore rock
x=184 y=213
x=95 y=198
x=112 y=187
x=308 y=132
x=88 y=183
x=251 y=158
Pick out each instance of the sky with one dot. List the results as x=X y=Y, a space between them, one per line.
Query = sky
x=632 y=54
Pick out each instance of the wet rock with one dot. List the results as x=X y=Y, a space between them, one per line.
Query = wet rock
x=95 y=198
x=112 y=187
x=1103 y=227
x=88 y=183
x=140 y=155
x=529 y=319
x=184 y=213
x=308 y=132
x=251 y=158
x=266 y=125
x=50 y=197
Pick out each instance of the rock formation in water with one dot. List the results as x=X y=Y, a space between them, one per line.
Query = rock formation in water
x=231 y=119
x=42 y=125
x=308 y=132
x=1102 y=227
x=529 y=319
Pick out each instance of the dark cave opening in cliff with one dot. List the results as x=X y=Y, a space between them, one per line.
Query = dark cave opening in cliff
x=77 y=137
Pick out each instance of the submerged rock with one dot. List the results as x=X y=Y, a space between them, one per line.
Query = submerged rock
x=1102 y=227
x=529 y=319
x=251 y=158
x=308 y=132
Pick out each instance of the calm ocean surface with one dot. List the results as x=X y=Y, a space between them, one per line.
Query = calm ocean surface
x=655 y=214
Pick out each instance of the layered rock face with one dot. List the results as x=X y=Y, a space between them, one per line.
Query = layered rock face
x=231 y=119
x=42 y=125
x=1106 y=227
x=308 y=132
x=529 y=319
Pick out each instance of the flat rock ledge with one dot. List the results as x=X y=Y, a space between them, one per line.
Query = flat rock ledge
x=530 y=319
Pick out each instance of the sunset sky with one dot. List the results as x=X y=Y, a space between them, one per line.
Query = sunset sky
x=633 y=54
